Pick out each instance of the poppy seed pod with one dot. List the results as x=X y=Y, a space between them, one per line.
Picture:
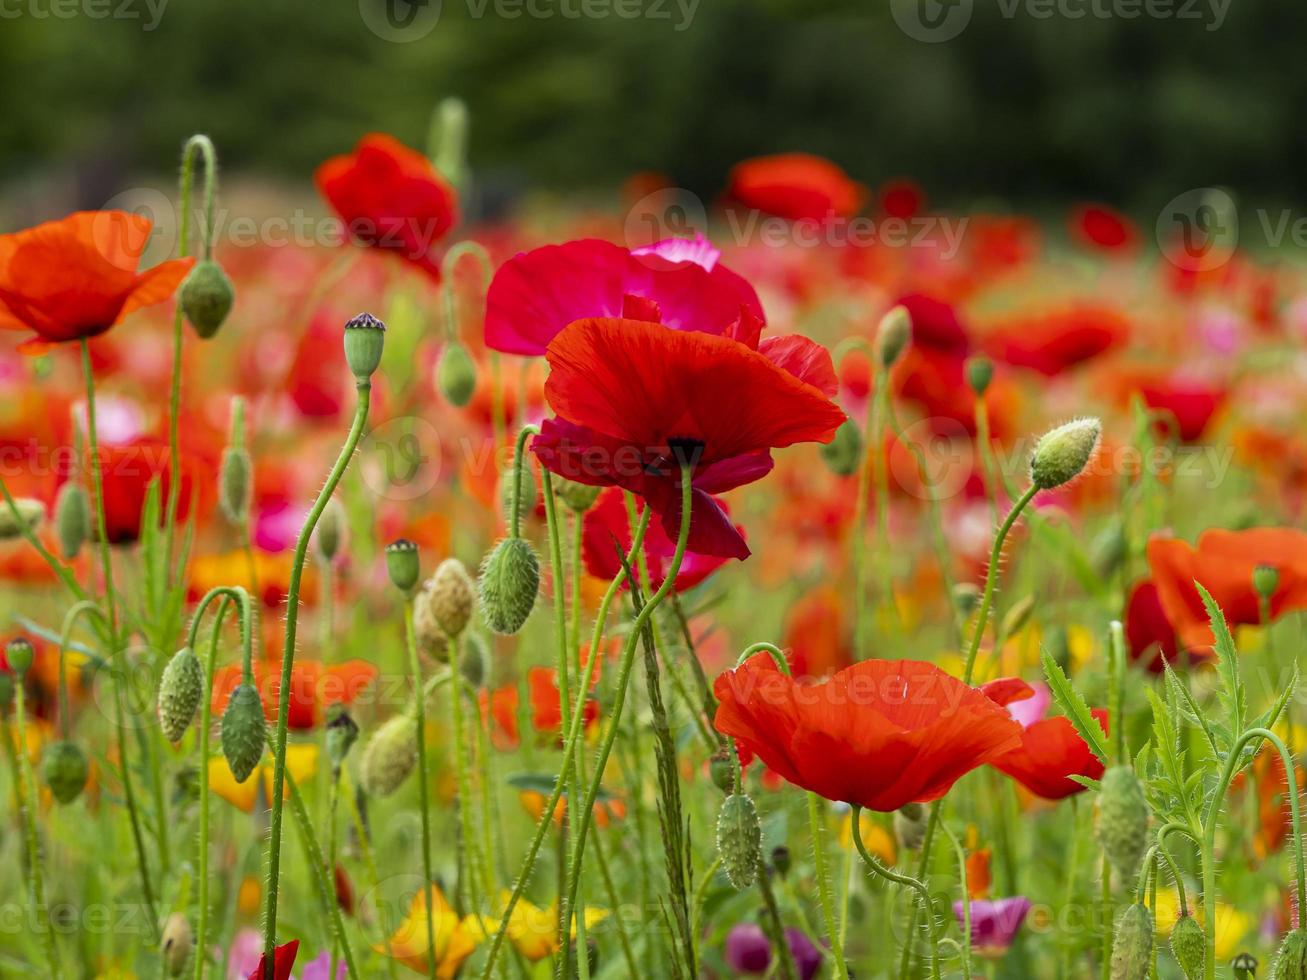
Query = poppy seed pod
x=365 y=338
x=390 y=755
x=910 y=826
x=176 y=943
x=1266 y=579
x=1132 y=948
x=451 y=595
x=1122 y=828
x=342 y=733
x=509 y=583
x=330 y=532
x=980 y=372
x=892 y=335
x=65 y=770
x=206 y=297
x=25 y=513
x=243 y=731
x=456 y=375
x=721 y=769
x=72 y=518
x=1062 y=453
x=843 y=454
x=180 y=689
x=739 y=839
x=1291 y=960
x=579 y=497
x=234 y=484
x=402 y=564
x=19 y=653
x=1188 y=946
x=1244 y=966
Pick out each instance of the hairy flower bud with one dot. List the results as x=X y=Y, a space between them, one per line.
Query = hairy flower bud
x=176 y=943
x=1132 y=948
x=980 y=372
x=1122 y=828
x=19 y=654
x=180 y=689
x=910 y=826
x=721 y=769
x=243 y=731
x=65 y=770
x=72 y=518
x=843 y=453
x=206 y=297
x=342 y=733
x=1291 y=960
x=474 y=661
x=390 y=755
x=329 y=535
x=1062 y=453
x=1188 y=946
x=509 y=583
x=739 y=839
x=452 y=596
x=579 y=497
x=234 y=484
x=25 y=513
x=403 y=564
x=892 y=335
x=365 y=338
x=456 y=374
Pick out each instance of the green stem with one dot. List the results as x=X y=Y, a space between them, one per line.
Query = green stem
x=424 y=809
x=823 y=885
x=29 y=535
x=374 y=876
x=326 y=890
x=966 y=899
x=991 y=577
x=35 y=883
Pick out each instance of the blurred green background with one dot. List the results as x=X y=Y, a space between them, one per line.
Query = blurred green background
x=1029 y=103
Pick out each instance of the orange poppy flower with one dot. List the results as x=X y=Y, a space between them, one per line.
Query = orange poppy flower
x=313 y=687
x=798 y=186
x=75 y=278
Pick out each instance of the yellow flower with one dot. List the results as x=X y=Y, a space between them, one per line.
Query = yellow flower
x=301 y=763
x=1231 y=924
x=455 y=938
x=878 y=840
x=533 y=931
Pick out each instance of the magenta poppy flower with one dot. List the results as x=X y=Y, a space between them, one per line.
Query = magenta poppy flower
x=994 y=924
x=607 y=529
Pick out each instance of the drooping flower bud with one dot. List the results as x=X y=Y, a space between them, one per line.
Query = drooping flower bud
x=1132 y=947
x=25 y=513
x=892 y=335
x=449 y=140
x=509 y=583
x=234 y=484
x=580 y=497
x=342 y=733
x=456 y=375
x=1291 y=960
x=1062 y=453
x=739 y=839
x=65 y=770
x=721 y=769
x=365 y=338
x=474 y=661
x=1122 y=828
x=1188 y=947
x=176 y=943
x=910 y=826
x=72 y=518
x=19 y=654
x=452 y=596
x=206 y=297
x=980 y=372
x=1266 y=579
x=180 y=689
x=843 y=453
x=243 y=731
x=390 y=755
x=403 y=564
x=329 y=535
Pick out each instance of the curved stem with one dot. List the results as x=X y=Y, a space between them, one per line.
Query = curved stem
x=287 y=663
x=991 y=576
x=35 y=881
x=86 y=607
x=420 y=724
x=905 y=880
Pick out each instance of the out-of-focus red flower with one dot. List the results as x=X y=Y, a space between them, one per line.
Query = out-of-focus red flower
x=534 y=295
x=546 y=712
x=317 y=386
x=1150 y=634
x=1051 y=750
x=1223 y=563
x=1191 y=404
x=815 y=637
x=901 y=198
x=76 y=277
x=313 y=687
x=880 y=734
x=128 y=471
x=283 y=958
x=936 y=324
x=1051 y=343
x=1274 y=814
x=391 y=198
x=1098 y=226
x=797 y=186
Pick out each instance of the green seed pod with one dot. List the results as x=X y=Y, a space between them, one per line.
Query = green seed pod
x=329 y=535
x=1132 y=948
x=1188 y=947
x=1122 y=828
x=342 y=733
x=452 y=596
x=1266 y=579
x=721 y=769
x=19 y=654
x=65 y=770
x=390 y=755
x=526 y=503
x=456 y=374
x=739 y=839
x=234 y=484
x=892 y=335
x=180 y=689
x=579 y=497
x=910 y=826
x=403 y=564
x=1018 y=615
x=176 y=944
x=365 y=338
x=980 y=372
x=509 y=583
x=243 y=731
x=72 y=518
x=1062 y=453
x=29 y=515
x=206 y=297
x=1291 y=960
x=474 y=661
x=843 y=454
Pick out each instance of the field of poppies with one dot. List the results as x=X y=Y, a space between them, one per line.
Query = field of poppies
x=805 y=582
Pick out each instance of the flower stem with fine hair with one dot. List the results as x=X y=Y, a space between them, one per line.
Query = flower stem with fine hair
x=35 y=881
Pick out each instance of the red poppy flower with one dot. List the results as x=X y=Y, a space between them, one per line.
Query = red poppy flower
x=1051 y=749
x=880 y=734
x=128 y=471
x=391 y=198
x=1192 y=404
x=536 y=294
x=632 y=396
x=1223 y=562
x=283 y=958
x=797 y=186
x=1149 y=634
x=607 y=529
x=77 y=277
x=313 y=687
x=1098 y=226
x=546 y=713
x=1051 y=343
x=935 y=324
x=901 y=198
x=816 y=641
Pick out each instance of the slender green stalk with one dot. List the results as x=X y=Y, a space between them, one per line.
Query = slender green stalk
x=326 y=891
x=1108 y=913
x=35 y=881
x=287 y=663
x=966 y=899
x=905 y=880
x=774 y=927
x=420 y=723
x=861 y=503
x=823 y=885
x=991 y=577
x=374 y=876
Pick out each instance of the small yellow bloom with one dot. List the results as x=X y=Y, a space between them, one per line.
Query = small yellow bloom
x=877 y=839
x=533 y=931
x=456 y=938
x=1231 y=924
x=301 y=763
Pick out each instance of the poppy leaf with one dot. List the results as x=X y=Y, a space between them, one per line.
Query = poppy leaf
x=1191 y=712
x=1075 y=708
x=1227 y=665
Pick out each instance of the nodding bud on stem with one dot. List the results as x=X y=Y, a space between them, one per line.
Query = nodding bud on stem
x=1266 y=579
x=24 y=514
x=980 y=372
x=18 y=654
x=456 y=375
x=365 y=338
x=1122 y=828
x=243 y=731
x=206 y=297
x=449 y=140
x=843 y=454
x=721 y=769
x=180 y=689
x=452 y=596
x=1189 y=946
x=72 y=518
x=65 y=771
x=329 y=535
x=892 y=335
x=910 y=826
x=342 y=733
x=739 y=839
x=1062 y=453
x=578 y=497
x=474 y=661
x=526 y=496
x=509 y=583
x=1132 y=948
x=235 y=473
x=1017 y=616
x=390 y=755
x=403 y=565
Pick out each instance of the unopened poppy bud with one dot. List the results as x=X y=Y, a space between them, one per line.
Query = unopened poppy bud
x=72 y=518
x=234 y=484
x=1062 y=453
x=1291 y=960
x=243 y=731
x=980 y=372
x=1188 y=946
x=206 y=297
x=1132 y=948
x=25 y=513
x=893 y=334
x=427 y=634
x=579 y=497
x=527 y=496
x=6 y=689
x=176 y=943
x=456 y=375
x=509 y=583
x=452 y=596
x=342 y=733
x=1122 y=828
x=180 y=689
x=843 y=453
x=1244 y=966
x=966 y=596
x=330 y=532
x=780 y=859
x=721 y=769
x=1018 y=615
x=390 y=755
x=18 y=654
x=910 y=826
x=739 y=839
x=65 y=770
x=365 y=338
x=403 y=564
x=1266 y=579
x=474 y=661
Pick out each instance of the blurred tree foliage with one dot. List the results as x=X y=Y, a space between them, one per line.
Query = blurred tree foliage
x=1130 y=110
